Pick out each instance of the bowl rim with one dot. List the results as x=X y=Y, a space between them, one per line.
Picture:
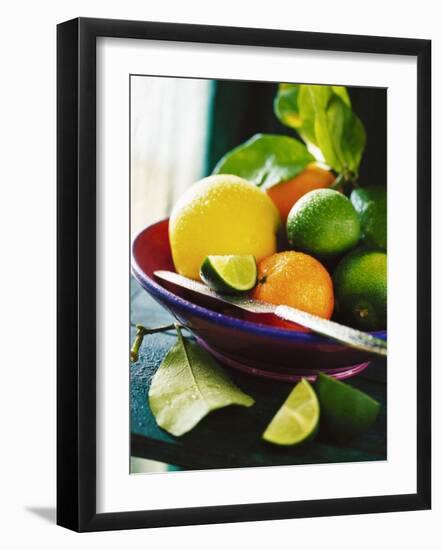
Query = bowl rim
x=158 y=291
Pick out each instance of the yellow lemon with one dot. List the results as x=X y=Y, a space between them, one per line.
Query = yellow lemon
x=219 y=215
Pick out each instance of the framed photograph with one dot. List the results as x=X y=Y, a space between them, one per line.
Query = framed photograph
x=243 y=225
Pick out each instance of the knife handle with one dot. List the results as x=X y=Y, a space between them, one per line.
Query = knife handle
x=347 y=335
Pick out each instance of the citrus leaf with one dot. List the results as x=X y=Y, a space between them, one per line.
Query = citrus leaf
x=307 y=114
x=323 y=118
x=341 y=136
x=266 y=160
x=188 y=385
x=341 y=91
x=348 y=134
x=285 y=105
x=324 y=131
x=290 y=100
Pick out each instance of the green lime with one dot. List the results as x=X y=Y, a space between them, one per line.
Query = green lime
x=371 y=205
x=346 y=411
x=360 y=284
x=297 y=419
x=323 y=223
x=229 y=273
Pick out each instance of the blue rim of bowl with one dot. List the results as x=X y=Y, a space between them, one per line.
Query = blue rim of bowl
x=177 y=302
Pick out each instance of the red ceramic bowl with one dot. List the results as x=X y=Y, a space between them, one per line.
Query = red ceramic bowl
x=239 y=339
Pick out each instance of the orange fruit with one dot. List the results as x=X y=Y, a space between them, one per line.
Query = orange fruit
x=298 y=280
x=285 y=194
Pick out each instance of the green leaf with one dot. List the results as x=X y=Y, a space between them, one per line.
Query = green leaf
x=266 y=160
x=285 y=105
x=323 y=117
x=288 y=102
x=307 y=116
x=348 y=135
x=320 y=96
x=341 y=91
x=188 y=385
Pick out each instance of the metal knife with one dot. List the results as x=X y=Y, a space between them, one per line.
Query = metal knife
x=347 y=335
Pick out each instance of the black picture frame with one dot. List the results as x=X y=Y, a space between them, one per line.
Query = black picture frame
x=76 y=273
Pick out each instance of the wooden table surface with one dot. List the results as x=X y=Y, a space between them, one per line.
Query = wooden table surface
x=231 y=437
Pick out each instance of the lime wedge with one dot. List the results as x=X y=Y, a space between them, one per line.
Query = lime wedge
x=297 y=419
x=229 y=273
x=346 y=411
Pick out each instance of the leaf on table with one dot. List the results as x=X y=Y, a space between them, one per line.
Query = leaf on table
x=324 y=119
x=188 y=385
x=266 y=160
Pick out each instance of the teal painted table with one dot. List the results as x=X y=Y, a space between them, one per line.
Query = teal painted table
x=231 y=437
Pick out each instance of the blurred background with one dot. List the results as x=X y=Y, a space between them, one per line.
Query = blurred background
x=181 y=127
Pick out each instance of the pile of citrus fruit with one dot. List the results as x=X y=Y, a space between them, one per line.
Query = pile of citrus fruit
x=286 y=222
x=300 y=243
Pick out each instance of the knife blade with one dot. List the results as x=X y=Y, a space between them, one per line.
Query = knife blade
x=346 y=335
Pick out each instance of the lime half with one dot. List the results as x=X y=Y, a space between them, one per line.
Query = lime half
x=229 y=273
x=297 y=419
x=346 y=411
